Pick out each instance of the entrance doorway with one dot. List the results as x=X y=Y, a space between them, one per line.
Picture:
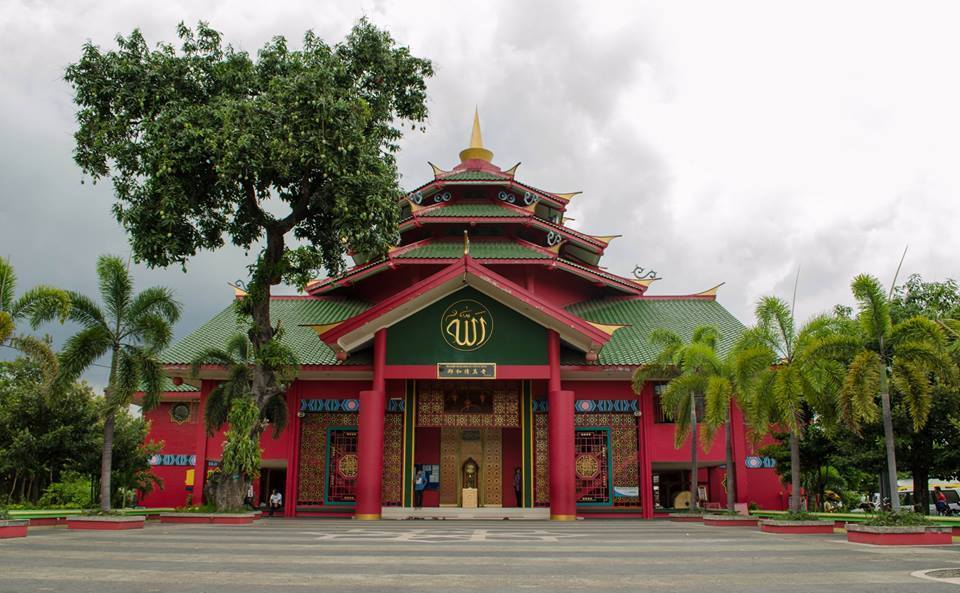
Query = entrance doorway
x=272 y=478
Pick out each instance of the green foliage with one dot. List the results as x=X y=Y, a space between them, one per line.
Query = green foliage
x=798 y=516
x=197 y=139
x=72 y=491
x=900 y=519
x=35 y=305
x=4 y=514
x=241 y=449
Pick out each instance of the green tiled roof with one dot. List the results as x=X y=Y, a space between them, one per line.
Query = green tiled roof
x=291 y=313
x=473 y=176
x=473 y=210
x=631 y=345
x=168 y=386
x=478 y=250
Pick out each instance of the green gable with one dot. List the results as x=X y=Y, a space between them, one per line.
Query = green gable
x=425 y=337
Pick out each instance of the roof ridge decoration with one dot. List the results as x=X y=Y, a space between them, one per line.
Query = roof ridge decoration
x=476 y=151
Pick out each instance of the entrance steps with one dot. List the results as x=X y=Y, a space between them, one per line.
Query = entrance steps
x=456 y=513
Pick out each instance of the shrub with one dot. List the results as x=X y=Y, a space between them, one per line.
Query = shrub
x=72 y=491
x=798 y=516
x=4 y=515
x=901 y=519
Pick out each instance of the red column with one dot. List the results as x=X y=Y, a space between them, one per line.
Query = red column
x=200 y=465
x=293 y=450
x=645 y=405
x=563 y=506
x=373 y=405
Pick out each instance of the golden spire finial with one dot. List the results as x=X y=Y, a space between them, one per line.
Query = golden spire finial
x=476 y=149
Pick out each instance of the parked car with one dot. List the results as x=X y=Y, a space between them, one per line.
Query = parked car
x=950 y=489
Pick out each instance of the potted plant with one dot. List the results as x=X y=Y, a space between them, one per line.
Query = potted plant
x=10 y=527
x=796 y=522
x=105 y=521
x=898 y=529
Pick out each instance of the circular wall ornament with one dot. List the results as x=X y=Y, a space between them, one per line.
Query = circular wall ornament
x=180 y=413
x=587 y=466
x=466 y=325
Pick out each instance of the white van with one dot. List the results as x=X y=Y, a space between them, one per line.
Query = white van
x=950 y=489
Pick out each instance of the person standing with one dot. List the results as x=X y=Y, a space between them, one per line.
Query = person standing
x=419 y=485
x=248 y=499
x=276 y=501
x=518 y=486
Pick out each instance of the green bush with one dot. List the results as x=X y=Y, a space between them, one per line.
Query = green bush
x=4 y=515
x=72 y=491
x=901 y=519
x=798 y=516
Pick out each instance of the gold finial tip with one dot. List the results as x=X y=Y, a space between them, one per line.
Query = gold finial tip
x=476 y=149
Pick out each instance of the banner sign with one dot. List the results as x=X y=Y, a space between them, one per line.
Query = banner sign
x=173 y=459
x=754 y=462
x=466 y=370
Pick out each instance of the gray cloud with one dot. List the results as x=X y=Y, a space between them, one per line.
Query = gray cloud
x=726 y=141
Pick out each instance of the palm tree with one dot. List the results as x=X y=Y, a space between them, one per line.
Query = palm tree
x=784 y=379
x=695 y=372
x=231 y=401
x=131 y=329
x=36 y=305
x=907 y=356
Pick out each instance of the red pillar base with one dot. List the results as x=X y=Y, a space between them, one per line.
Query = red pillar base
x=563 y=499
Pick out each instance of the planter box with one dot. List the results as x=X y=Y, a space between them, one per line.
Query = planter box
x=13 y=528
x=729 y=520
x=918 y=535
x=778 y=526
x=686 y=518
x=215 y=518
x=106 y=522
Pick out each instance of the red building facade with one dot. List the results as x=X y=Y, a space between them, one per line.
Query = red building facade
x=487 y=350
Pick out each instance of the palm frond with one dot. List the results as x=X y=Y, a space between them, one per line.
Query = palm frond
x=275 y=411
x=874 y=309
x=8 y=284
x=151 y=330
x=919 y=329
x=41 y=352
x=83 y=349
x=913 y=383
x=41 y=304
x=717 y=398
x=116 y=285
x=151 y=379
x=126 y=380
x=216 y=408
x=210 y=356
x=85 y=311
x=857 y=397
x=156 y=301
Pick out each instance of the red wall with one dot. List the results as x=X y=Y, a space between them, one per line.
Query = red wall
x=427 y=452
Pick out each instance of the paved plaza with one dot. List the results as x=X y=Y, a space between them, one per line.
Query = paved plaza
x=491 y=556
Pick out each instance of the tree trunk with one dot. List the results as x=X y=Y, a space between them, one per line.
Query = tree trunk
x=921 y=488
x=794 y=472
x=694 y=492
x=106 y=458
x=888 y=439
x=731 y=467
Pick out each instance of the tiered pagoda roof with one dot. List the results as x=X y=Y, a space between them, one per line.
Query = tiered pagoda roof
x=484 y=218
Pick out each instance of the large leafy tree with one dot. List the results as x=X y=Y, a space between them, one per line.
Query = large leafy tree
x=930 y=451
x=130 y=329
x=290 y=152
x=787 y=377
x=230 y=403
x=34 y=305
x=695 y=373
x=906 y=358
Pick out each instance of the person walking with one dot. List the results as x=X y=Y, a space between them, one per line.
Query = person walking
x=518 y=486
x=276 y=501
x=940 y=501
x=419 y=485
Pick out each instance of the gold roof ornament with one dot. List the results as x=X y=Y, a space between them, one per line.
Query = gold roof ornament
x=476 y=151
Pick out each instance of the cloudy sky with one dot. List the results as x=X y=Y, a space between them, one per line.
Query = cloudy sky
x=727 y=141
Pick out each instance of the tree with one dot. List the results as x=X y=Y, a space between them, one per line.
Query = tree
x=910 y=356
x=229 y=403
x=693 y=370
x=786 y=377
x=207 y=143
x=930 y=451
x=131 y=329
x=36 y=304
x=42 y=435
